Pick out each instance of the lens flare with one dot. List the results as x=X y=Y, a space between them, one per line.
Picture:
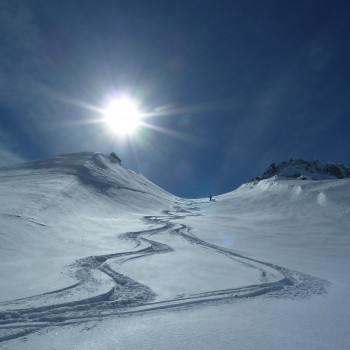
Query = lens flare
x=122 y=116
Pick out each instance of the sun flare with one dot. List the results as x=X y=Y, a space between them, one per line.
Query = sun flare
x=122 y=116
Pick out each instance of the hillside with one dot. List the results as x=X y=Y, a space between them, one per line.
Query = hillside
x=95 y=256
x=57 y=208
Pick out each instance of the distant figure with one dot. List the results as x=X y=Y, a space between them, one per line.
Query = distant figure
x=210 y=197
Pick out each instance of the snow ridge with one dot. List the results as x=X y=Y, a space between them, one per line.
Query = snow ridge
x=299 y=168
x=95 y=170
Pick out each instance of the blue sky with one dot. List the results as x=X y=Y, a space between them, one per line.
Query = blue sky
x=232 y=85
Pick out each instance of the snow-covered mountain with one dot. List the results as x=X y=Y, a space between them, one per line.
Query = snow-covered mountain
x=302 y=169
x=68 y=178
x=95 y=256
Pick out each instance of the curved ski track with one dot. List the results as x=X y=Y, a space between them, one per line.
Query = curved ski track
x=127 y=296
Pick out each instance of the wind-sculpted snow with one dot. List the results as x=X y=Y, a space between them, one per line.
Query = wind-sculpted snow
x=110 y=293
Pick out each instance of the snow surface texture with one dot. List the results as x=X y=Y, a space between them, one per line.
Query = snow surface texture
x=89 y=246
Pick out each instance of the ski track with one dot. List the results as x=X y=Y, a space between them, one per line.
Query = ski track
x=127 y=296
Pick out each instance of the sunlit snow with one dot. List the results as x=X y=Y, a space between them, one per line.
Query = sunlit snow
x=95 y=256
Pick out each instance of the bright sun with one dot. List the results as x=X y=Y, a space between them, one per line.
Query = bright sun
x=123 y=116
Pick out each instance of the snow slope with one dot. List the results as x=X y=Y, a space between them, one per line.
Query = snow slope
x=95 y=256
x=54 y=210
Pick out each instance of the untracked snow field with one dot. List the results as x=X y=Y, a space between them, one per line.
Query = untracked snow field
x=95 y=256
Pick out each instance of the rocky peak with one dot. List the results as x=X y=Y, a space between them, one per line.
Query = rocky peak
x=302 y=169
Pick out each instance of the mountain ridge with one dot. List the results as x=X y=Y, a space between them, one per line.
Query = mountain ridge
x=93 y=169
x=298 y=168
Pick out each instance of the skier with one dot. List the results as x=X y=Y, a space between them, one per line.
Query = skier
x=210 y=197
